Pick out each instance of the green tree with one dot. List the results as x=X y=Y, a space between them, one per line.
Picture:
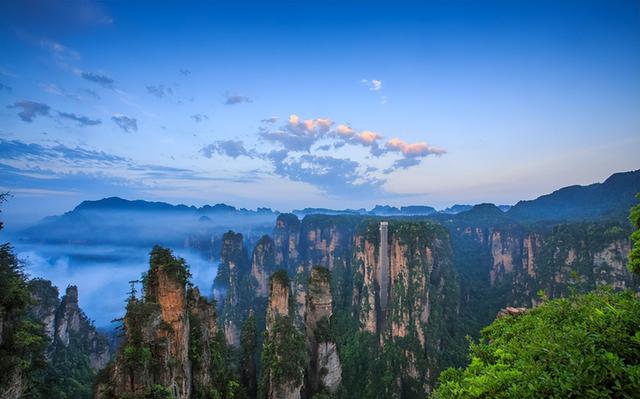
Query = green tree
x=634 y=255
x=248 y=347
x=584 y=346
x=22 y=340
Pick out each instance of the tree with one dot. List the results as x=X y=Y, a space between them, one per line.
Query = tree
x=634 y=255
x=584 y=346
x=248 y=346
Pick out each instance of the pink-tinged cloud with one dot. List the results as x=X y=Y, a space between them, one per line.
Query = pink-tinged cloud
x=309 y=126
x=413 y=150
x=345 y=130
x=368 y=137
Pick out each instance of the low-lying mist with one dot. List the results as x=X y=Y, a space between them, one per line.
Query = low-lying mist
x=102 y=272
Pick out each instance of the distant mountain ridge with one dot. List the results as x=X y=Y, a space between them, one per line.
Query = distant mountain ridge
x=611 y=198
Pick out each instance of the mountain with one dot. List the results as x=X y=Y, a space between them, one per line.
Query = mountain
x=611 y=198
x=457 y=208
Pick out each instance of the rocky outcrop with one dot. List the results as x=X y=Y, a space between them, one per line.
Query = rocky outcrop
x=284 y=356
x=420 y=275
x=203 y=330
x=511 y=311
x=327 y=240
x=325 y=369
x=262 y=265
x=232 y=285
x=66 y=326
x=158 y=336
x=286 y=236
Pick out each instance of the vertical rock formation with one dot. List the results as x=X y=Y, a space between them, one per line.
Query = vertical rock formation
x=155 y=351
x=66 y=326
x=422 y=296
x=172 y=346
x=383 y=269
x=325 y=369
x=202 y=333
x=286 y=236
x=262 y=265
x=284 y=356
x=232 y=285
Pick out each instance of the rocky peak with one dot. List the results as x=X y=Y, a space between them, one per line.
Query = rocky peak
x=278 y=295
x=262 y=265
x=325 y=369
x=286 y=236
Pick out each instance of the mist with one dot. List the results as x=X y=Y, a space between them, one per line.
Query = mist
x=102 y=273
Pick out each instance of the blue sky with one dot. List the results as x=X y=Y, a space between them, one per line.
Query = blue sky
x=294 y=104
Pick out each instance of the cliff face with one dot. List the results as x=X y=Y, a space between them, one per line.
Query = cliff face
x=66 y=326
x=262 y=265
x=286 y=236
x=507 y=264
x=422 y=297
x=325 y=369
x=231 y=285
x=283 y=356
x=167 y=348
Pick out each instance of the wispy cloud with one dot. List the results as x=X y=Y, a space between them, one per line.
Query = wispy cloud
x=159 y=91
x=185 y=72
x=373 y=84
x=30 y=109
x=233 y=99
x=230 y=148
x=199 y=117
x=413 y=150
x=80 y=119
x=5 y=88
x=271 y=119
x=100 y=79
x=125 y=123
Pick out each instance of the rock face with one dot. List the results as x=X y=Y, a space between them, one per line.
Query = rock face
x=286 y=236
x=421 y=299
x=160 y=331
x=325 y=369
x=284 y=357
x=65 y=325
x=262 y=265
x=231 y=285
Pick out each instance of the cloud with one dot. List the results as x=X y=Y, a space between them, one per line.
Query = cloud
x=185 y=72
x=230 y=148
x=82 y=120
x=298 y=134
x=412 y=150
x=342 y=177
x=199 y=117
x=403 y=163
x=59 y=51
x=236 y=99
x=159 y=91
x=373 y=84
x=16 y=150
x=271 y=119
x=31 y=109
x=125 y=123
x=5 y=88
x=103 y=80
x=366 y=138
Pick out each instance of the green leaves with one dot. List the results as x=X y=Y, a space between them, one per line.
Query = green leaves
x=583 y=346
x=634 y=255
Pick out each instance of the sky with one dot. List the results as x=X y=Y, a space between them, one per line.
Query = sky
x=315 y=103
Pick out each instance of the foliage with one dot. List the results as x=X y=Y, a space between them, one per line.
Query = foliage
x=284 y=356
x=584 y=346
x=22 y=340
x=634 y=255
x=248 y=348
x=162 y=259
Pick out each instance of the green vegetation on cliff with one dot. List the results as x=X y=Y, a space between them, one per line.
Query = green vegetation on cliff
x=634 y=255
x=583 y=346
